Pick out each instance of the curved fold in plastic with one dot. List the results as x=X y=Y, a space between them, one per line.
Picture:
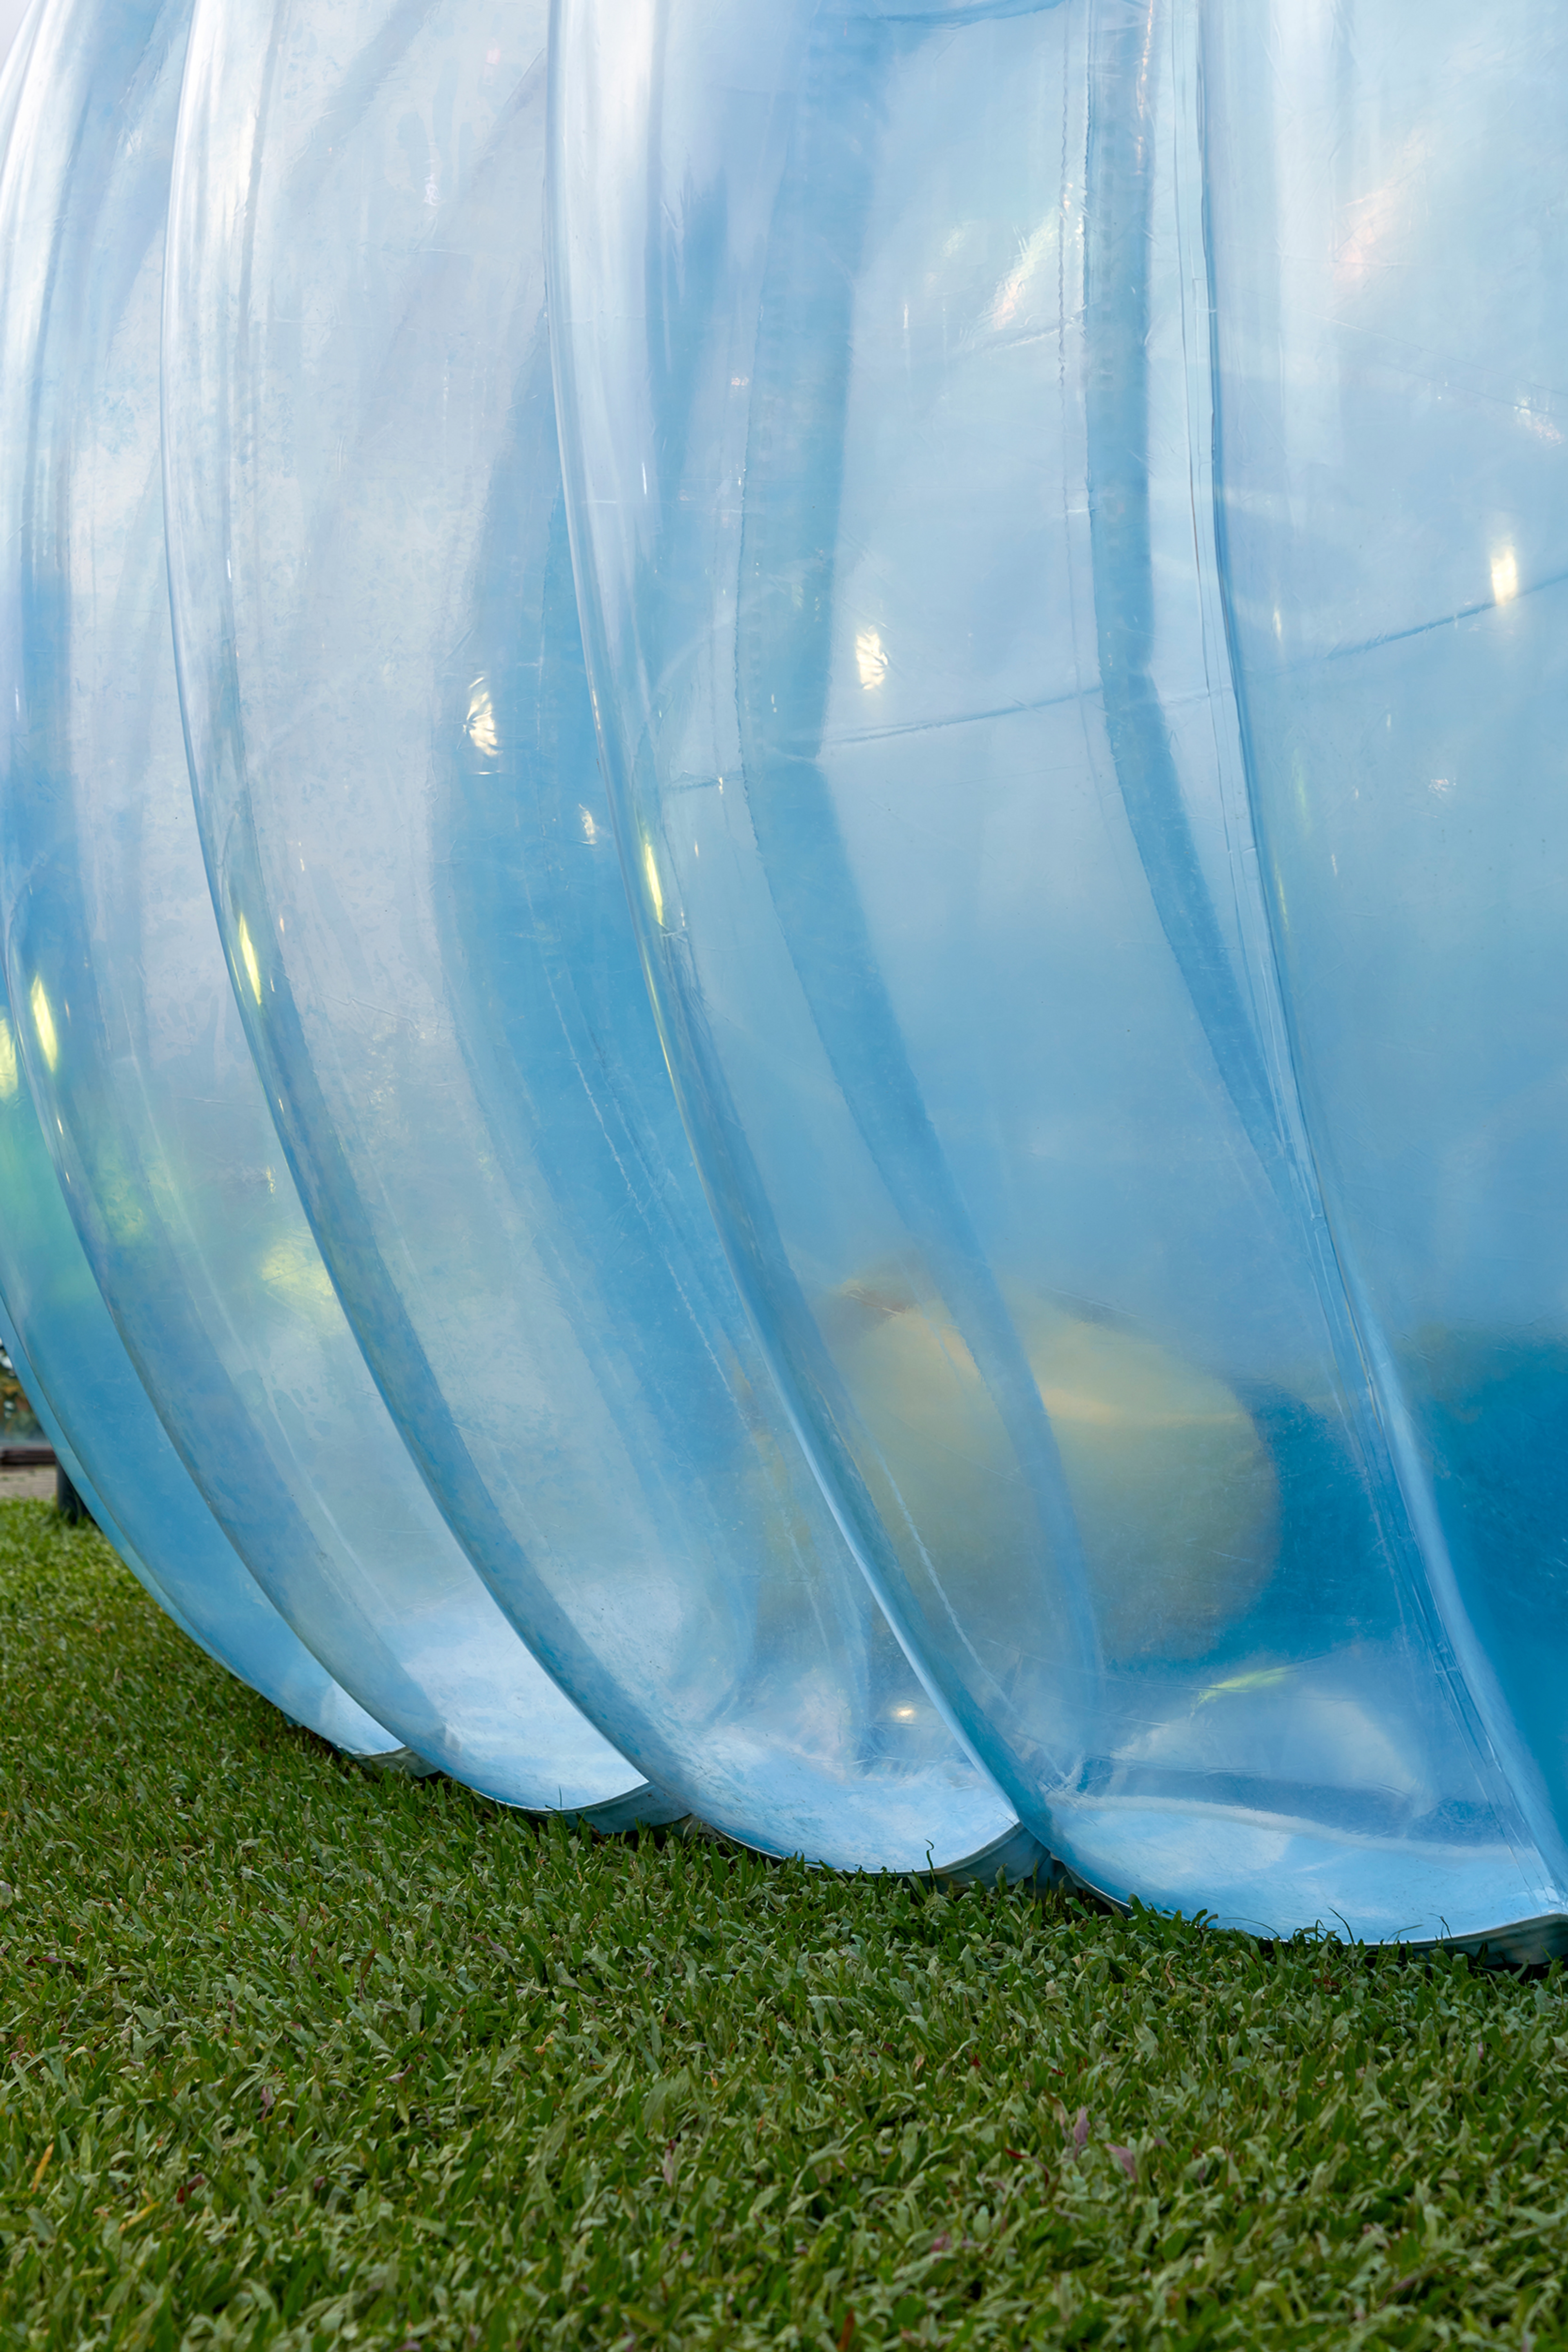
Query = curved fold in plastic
x=1051 y=515
x=884 y=371
x=127 y=1026
x=393 y=748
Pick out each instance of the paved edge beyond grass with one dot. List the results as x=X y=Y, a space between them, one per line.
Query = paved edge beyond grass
x=295 y=2056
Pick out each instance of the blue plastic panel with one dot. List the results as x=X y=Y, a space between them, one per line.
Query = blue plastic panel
x=881 y=340
x=424 y=914
x=1059 y=538
x=72 y=1362
x=1388 y=473
x=78 y=1378
x=130 y=1035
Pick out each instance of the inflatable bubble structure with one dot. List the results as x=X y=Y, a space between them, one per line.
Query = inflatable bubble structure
x=781 y=903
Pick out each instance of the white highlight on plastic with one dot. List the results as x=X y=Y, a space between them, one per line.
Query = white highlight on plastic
x=869 y=659
x=44 y=1023
x=650 y=868
x=247 y=957
x=479 y=725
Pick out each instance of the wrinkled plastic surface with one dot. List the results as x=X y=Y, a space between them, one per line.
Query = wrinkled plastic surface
x=1065 y=504
x=1388 y=456
x=73 y=1366
x=13 y=20
x=393 y=748
x=95 y=1413
x=883 y=350
x=131 y=1038
x=50 y=1431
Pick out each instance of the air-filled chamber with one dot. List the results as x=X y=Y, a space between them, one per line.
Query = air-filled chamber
x=1059 y=565
x=817 y=1071
x=125 y=1023
x=1389 y=457
x=416 y=870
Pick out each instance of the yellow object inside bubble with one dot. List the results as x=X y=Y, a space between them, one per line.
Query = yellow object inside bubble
x=1174 y=1492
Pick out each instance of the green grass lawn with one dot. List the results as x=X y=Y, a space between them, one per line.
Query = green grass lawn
x=294 y=2056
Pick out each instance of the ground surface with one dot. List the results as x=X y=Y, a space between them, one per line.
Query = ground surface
x=296 y=2057
x=16 y=1486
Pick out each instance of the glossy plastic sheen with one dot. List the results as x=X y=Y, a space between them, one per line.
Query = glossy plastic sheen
x=131 y=1038
x=883 y=362
x=67 y=1459
x=73 y=1366
x=1390 y=349
x=393 y=747
x=80 y=1382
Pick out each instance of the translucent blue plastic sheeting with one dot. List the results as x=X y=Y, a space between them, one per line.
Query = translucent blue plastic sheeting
x=393 y=746
x=13 y=21
x=883 y=360
x=15 y=46
x=1387 y=246
x=130 y=1035
x=79 y=1380
x=92 y=1502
